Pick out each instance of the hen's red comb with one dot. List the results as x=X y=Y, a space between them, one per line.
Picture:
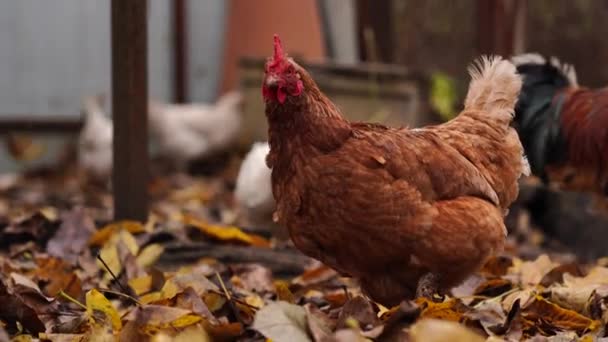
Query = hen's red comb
x=278 y=49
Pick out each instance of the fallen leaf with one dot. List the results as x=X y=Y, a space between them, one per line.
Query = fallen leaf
x=226 y=233
x=361 y=310
x=149 y=255
x=197 y=282
x=315 y=276
x=434 y=330
x=152 y=318
x=36 y=227
x=195 y=334
x=98 y=306
x=530 y=273
x=283 y=292
x=70 y=240
x=58 y=276
x=102 y=236
x=451 y=309
x=14 y=309
x=558 y=317
x=253 y=277
x=282 y=321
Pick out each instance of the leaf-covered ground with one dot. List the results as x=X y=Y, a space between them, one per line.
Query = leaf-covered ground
x=68 y=273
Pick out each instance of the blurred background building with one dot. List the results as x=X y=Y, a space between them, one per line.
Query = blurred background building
x=53 y=53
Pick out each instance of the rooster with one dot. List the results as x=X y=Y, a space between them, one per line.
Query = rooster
x=407 y=212
x=185 y=132
x=563 y=126
x=95 y=140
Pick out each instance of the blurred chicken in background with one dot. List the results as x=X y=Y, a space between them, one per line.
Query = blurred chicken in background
x=253 y=191
x=563 y=126
x=185 y=132
x=95 y=141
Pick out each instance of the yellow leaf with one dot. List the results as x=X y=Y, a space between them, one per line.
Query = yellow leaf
x=254 y=300
x=141 y=285
x=104 y=234
x=49 y=213
x=283 y=292
x=151 y=297
x=226 y=233
x=22 y=338
x=96 y=302
x=109 y=252
x=184 y=321
x=149 y=255
x=449 y=310
x=214 y=301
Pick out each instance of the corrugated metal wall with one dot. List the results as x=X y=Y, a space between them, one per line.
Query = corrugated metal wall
x=52 y=53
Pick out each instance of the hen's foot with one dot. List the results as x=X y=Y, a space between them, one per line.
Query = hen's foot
x=428 y=286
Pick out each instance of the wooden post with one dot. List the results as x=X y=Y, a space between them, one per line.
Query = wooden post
x=130 y=108
x=180 y=51
x=500 y=26
x=376 y=15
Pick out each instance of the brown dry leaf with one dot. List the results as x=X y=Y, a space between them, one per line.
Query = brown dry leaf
x=556 y=275
x=226 y=233
x=563 y=319
x=190 y=300
x=58 y=276
x=71 y=239
x=497 y=266
x=451 y=309
x=315 y=276
x=101 y=311
x=493 y=287
x=36 y=227
x=225 y=331
x=253 y=278
x=102 y=236
x=434 y=330
x=359 y=309
x=15 y=309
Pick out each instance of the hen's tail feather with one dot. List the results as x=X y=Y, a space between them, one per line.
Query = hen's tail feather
x=494 y=87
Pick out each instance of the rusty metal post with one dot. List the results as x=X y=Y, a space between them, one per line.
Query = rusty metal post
x=180 y=51
x=130 y=108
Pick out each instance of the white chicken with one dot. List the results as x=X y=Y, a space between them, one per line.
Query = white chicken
x=253 y=191
x=184 y=132
x=95 y=140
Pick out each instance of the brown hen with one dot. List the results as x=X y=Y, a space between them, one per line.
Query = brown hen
x=405 y=211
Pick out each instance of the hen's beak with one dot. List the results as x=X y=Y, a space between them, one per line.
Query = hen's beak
x=272 y=81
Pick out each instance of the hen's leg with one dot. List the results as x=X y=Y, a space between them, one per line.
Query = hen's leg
x=428 y=285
